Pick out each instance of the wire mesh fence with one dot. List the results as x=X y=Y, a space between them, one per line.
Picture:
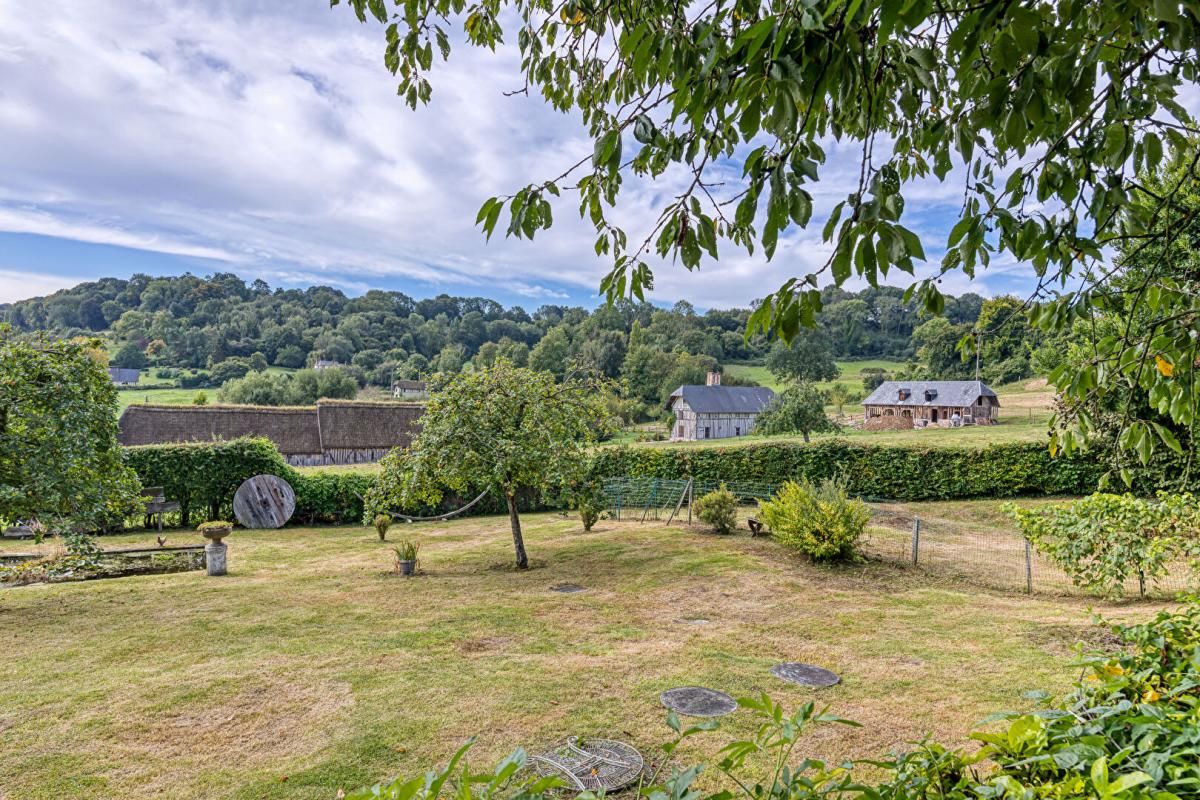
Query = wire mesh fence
x=989 y=554
x=669 y=499
x=984 y=551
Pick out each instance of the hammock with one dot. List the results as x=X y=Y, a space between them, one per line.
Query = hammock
x=439 y=517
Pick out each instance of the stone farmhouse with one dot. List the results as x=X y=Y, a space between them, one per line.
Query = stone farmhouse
x=331 y=432
x=918 y=404
x=714 y=411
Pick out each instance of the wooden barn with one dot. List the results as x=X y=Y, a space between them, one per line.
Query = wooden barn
x=942 y=403
x=331 y=432
x=714 y=411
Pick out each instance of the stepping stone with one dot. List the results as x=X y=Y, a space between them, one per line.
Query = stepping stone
x=692 y=621
x=697 y=701
x=591 y=765
x=568 y=588
x=805 y=675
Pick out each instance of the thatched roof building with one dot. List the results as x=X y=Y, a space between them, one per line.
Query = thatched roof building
x=331 y=432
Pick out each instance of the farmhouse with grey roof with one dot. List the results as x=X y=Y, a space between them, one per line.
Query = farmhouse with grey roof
x=714 y=411
x=942 y=403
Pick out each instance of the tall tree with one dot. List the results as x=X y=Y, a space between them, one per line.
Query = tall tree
x=799 y=409
x=504 y=429
x=809 y=357
x=59 y=458
x=1049 y=110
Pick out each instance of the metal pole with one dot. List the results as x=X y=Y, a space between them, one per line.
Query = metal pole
x=916 y=539
x=691 y=496
x=1028 y=568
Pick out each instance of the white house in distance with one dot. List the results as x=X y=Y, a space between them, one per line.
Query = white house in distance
x=124 y=377
x=922 y=403
x=410 y=390
x=714 y=411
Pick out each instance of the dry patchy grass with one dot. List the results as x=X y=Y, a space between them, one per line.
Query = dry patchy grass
x=310 y=668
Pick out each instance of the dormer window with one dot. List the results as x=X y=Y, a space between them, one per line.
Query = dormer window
x=930 y=395
x=905 y=393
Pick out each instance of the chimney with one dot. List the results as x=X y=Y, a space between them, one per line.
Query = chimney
x=714 y=379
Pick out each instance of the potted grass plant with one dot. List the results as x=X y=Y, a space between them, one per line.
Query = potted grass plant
x=406 y=557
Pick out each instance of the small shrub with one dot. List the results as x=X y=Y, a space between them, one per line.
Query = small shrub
x=215 y=525
x=719 y=510
x=820 y=520
x=406 y=550
x=382 y=522
x=1103 y=540
x=589 y=499
x=200 y=399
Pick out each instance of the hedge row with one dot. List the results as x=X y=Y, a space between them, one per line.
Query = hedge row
x=875 y=472
x=204 y=476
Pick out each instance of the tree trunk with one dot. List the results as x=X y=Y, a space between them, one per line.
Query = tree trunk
x=518 y=540
x=805 y=434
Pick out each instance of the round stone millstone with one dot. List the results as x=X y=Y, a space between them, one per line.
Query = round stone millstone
x=805 y=675
x=698 y=701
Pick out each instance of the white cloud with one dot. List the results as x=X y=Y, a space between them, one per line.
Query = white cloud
x=18 y=285
x=270 y=137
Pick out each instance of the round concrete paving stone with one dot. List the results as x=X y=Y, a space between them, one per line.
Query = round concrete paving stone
x=805 y=675
x=697 y=701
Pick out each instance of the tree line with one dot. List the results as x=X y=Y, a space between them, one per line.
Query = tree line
x=235 y=330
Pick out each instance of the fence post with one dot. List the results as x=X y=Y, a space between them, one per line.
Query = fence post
x=691 y=496
x=916 y=539
x=1028 y=568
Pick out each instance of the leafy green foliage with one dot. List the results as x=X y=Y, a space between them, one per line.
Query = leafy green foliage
x=872 y=471
x=59 y=458
x=807 y=358
x=203 y=476
x=588 y=498
x=329 y=496
x=1048 y=111
x=1103 y=540
x=820 y=520
x=301 y=388
x=1127 y=731
x=718 y=510
x=798 y=409
x=381 y=523
x=503 y=429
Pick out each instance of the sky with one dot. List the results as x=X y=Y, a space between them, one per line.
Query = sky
x=266 y=139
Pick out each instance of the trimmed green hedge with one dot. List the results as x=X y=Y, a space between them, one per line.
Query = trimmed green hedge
x=872 y=471
x=330 y=496
x=203 y=476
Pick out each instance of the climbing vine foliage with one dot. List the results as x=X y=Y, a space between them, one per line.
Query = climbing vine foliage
x=1043 y=113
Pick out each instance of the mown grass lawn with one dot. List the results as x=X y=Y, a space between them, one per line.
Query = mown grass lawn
x=310 y=668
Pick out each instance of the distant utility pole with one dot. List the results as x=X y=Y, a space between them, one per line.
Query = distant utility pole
x=978 y=347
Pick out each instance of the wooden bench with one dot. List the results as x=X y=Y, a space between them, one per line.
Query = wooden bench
x=157 y=503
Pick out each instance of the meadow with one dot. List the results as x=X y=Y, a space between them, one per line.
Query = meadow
x=312 y=668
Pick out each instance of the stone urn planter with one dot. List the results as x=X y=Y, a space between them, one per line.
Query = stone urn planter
x=216 y=551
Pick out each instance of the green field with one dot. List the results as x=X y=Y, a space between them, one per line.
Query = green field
x=851 y=375
x=171 y=397
x=311 y=668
